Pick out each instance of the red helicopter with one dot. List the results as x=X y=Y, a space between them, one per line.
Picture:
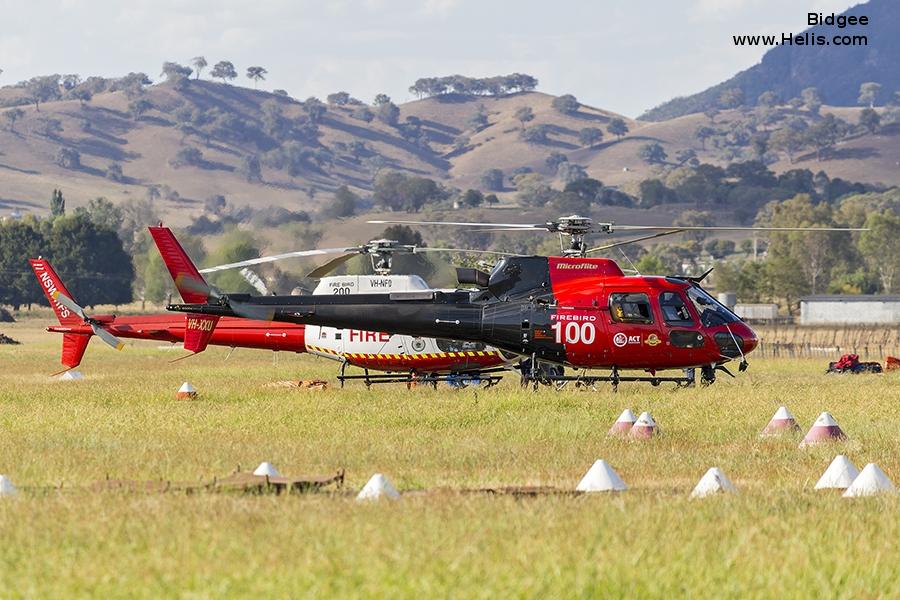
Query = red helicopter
x=568 y=311
x=196 y=331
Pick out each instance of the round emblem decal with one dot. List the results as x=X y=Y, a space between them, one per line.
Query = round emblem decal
x=418 y=344
x=620 y=339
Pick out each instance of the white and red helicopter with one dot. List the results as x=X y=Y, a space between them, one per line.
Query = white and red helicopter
x=399 y=358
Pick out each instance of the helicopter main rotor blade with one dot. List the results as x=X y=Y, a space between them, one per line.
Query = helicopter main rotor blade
x=730 y=228
x=416 y=250
x=275 y=257
x=331 y=265
x=633 y=240
x=458 y=224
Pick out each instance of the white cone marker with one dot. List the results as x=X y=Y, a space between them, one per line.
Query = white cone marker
x=644 y=428
x=601 y=478
x=781 y=422
x=870 y=481
x=186 y=391
x=6 y=486
x=839 y=474
x=266 y=469
x=378 y=487
x=624 y=423
x=825 y=429
x=713 y=482
x=71 y=376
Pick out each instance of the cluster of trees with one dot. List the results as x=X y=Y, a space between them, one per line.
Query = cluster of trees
x=742 y=187
x=775 y=126
x=587 y=136
x=460 y=84
x=85 y=248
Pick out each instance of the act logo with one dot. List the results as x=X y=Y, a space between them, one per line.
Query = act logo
x=418 y=344
x=653 y=340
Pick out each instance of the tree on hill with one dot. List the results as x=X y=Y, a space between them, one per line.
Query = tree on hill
x=868 y=92
x=824 y=134
x=250 y=167
x=479 y=120
x=381 y=99
x=731 y=98
x=703 y=133
x=524 y=114
x=686 y=156
x=652 y=153
x=566 y=104
x=536 y=134
x=315 y=109
x=114 y=172
x=711 y=113
x=57 y=204
x=388 y=112
x=187 y=156
x=554 y=159
x=257 y=74
x=590 y=136
x=83 y=95
x=869 y=120
x=812 y=101
x=223 y=70
x=363 y=113
x=787 y=140
x=175 y=73
x=139 y=107
x=570 y=172
x=617 y=127
x=68 y=158
x=44 y=88
x=343 y=205
x=338 y=98
x=492 y=180
x=199 y=63
x=11 y=116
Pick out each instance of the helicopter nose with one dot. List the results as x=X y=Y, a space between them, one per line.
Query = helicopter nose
x=751 y=340
x=735 y=339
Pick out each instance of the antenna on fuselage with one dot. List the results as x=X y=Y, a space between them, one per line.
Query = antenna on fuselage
x=633 y=266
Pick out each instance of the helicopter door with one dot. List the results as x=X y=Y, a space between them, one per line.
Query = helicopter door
x=635 y=335
x=682 y=330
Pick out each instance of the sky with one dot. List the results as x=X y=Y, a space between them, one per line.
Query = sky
x=624 y=56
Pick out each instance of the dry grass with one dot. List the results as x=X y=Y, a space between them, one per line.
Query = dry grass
x=778 y=537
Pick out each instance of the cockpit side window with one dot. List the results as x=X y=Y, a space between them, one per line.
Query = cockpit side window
x=630 y=308
x=674 y=310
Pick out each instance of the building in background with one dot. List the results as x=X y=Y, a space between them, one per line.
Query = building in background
x=850 y=310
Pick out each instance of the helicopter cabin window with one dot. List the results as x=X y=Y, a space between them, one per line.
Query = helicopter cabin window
x=674 y=310
x=459 y=346
x=630 y=308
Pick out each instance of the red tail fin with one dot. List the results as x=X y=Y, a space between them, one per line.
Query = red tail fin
x=74 y=345
x=197 y=331
x=50 y=282
x=180 y=266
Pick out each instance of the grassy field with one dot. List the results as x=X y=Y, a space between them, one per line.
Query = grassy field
x=776 y=538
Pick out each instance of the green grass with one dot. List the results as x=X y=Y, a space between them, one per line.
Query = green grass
x=776 y=538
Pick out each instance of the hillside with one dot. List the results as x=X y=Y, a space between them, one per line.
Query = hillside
x=224 y=125
x=837 y=71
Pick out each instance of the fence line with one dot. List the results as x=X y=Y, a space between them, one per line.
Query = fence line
x=792 y=341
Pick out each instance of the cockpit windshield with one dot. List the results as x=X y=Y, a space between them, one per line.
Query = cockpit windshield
x=711 y=312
